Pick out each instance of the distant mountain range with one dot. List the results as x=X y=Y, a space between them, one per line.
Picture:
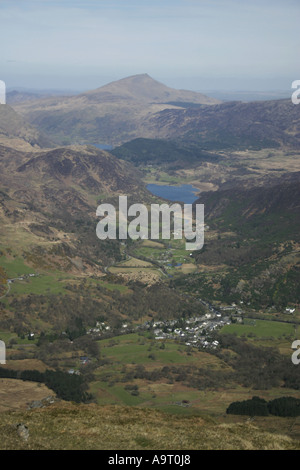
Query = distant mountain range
x=139 y=106
x=16 y=96
x=233 y=125
x=111 y=114
x=43 y=186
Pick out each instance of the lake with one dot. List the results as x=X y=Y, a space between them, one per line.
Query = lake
x=185 y=193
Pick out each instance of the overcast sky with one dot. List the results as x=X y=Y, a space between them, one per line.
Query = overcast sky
x=196 y=44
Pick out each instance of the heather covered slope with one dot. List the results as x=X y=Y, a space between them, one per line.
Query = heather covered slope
x=48 y=200
x=90 y=427
x=274 y=204
x=255 y=249
x=232 y=125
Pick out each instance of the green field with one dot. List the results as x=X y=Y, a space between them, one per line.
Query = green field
x=40 y=285
x=260 y=328
x=15 y=267
x=122 y=354
x=130 y=350
x=8 y=336
x=162 y=177
x=170 y=256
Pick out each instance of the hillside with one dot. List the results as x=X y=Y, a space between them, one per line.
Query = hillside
x=89 y=427
x=137 y=329
x=233 y=125
x=145 y=89
x=110 y=114
x=162 y=152
x=92 y=169
x=16 y=132
x=278 y=197
x=141 y=107
x=252 y=245
x=49 y=199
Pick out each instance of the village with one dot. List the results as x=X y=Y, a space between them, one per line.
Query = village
x=194 y=332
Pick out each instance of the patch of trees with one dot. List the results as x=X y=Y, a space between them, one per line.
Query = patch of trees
x=189 y=375
x=232 y=252
x=133 y=389
x=162 y=152
x=72 y=313
x=252 y=367
x=67 y=387
x=283 y=406
x=84 y=304
x=264 y=284
x=51 y=350
x=258 y=367
x=254 y=407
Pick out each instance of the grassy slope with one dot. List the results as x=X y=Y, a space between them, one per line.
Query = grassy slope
x=120 y=428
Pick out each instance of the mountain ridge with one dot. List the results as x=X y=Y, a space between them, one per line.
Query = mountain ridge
x=145 y=88
x=113 y=113
x=48 y=201
x=141 y=107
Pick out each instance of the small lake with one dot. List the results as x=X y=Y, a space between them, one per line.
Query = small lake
x=185 y=193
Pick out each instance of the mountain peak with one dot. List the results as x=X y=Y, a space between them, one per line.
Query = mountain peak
x=144 y=88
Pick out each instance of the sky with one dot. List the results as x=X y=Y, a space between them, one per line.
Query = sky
x=192 y=44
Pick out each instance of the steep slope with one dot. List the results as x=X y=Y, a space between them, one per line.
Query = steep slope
x=16 y=132
x=278 y=201
x=232 y=125
x=92 y=169
x=48 y=202
x=88 y=427
x=255 y=247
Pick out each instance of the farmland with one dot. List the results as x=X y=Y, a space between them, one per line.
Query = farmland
x=261 y=329
x=128 y=376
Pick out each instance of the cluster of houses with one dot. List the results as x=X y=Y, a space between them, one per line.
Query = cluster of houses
x=290 y=310
x=22 y=277
x=100 y=327
x=194 y=332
